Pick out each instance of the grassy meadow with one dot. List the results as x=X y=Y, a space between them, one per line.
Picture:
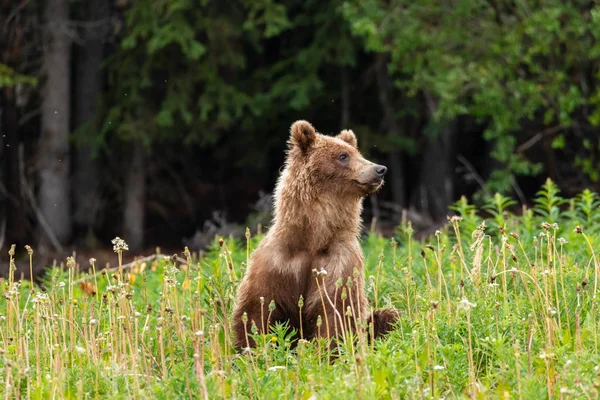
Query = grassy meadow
x=502 y=307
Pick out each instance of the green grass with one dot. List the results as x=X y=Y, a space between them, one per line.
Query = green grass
x=505 y=309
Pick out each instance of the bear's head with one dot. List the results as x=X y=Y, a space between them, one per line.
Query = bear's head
x=332 y=163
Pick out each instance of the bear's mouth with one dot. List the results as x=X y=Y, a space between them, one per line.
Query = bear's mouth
x=371 y=186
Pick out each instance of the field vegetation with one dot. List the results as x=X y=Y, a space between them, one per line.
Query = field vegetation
x=501 y=302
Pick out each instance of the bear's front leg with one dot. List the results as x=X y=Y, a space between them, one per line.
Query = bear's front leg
x=268 y=294
x=336 y=293
x=252 y=310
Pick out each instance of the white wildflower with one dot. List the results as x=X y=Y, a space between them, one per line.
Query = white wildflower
x=465 y=304
x=119 y=245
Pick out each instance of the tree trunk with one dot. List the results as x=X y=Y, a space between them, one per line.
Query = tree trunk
x=15 y=205
x=13 y=221
x=345 y=120
x=53 y=167
x=135 y=191
x=435 y=190
x=89 y=55
x=395 y=177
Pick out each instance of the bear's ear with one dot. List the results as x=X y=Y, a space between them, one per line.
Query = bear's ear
x=349 y=137
x=302 y=135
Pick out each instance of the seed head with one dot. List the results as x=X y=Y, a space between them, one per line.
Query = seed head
x=465 y=304
x=119 y=245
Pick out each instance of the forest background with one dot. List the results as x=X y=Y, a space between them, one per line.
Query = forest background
x=165 y=121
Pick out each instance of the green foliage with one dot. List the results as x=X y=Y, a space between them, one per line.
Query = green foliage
x=222 y=76
x=8 y=78
x=513 y=312
x=548 y=201
x=523 y=70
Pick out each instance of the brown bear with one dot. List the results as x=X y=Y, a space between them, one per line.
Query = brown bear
x=312 y=243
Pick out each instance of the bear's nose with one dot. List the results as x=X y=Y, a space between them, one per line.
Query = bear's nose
x=380 y=170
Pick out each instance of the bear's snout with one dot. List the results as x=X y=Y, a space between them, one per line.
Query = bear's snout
x=380 y=170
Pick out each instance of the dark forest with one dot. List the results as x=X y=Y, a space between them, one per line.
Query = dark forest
x=165 y=122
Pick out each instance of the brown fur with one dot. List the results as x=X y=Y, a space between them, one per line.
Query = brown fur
x=316 y=225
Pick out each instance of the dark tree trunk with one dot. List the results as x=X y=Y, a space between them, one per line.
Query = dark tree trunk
x=13 y=221
x=14 y=202
x=53 y=167
x=89 y=55
x=135 y=192
x=345 y=94
x=395 y=178
x=435 y=190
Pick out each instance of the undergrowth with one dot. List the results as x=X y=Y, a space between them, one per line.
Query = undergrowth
x=499 y=307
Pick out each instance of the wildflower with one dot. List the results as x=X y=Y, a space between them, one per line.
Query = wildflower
x=465 y=304
x=119 y=245
x=79 y=349
x=438 y=367
x=70 y=262
x=545 y=226
x=274 y=339
x=199 y=333
x=562 y=240
x=93 y=321
x=247 y=350
x=276 y=367
x=61 y=284
x=455 y=218
x=92 y=260
x=578 y=230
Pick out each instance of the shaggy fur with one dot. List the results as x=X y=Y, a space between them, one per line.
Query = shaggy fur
x=316 y=225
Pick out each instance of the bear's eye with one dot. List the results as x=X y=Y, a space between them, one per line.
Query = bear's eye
x=343 y=157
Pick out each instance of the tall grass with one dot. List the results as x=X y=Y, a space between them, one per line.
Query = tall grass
x=504 y=306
